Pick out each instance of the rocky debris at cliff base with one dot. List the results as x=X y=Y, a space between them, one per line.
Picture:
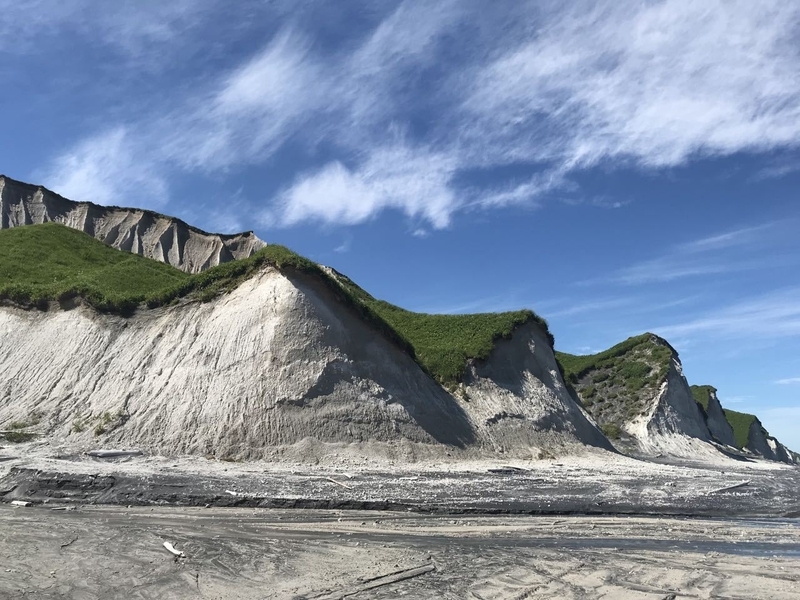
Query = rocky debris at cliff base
x=592 y=483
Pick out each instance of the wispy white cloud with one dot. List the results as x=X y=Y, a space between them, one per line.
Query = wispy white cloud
x=373 y=82
x=400 y=177
x=135 y=28
x=789 y=381
x=592 y=306
x=649 y=84
x=345 y=246
x=653 y=83
x=709 y=255
x=738 y=399
x=509 y=300
x=526 y=192
x=257 y=107
x=780 y=168
x=612 y=203
x=105 y=168
x=718 y=241
x=772 y=316
x=669 y=269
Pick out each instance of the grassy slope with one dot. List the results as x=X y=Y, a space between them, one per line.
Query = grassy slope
x=616 y=385
x=702 y=395
x=444 y=343
x=577 y=366
x=740 y=422
x=51 y=262
x=741 y=425
x=54 y=262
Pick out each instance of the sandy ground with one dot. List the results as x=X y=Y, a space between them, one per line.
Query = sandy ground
x=722 y=529
x=116 y=552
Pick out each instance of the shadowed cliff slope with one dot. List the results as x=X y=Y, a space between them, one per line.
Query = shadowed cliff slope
x=738 y=429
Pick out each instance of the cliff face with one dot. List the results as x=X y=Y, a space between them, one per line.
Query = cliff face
x=279 y=365
x=673 y=416
x=517 y=398
x=759 y=442
x=142 y=232
x=739 y=430
x=717 y=423
x=637 y=392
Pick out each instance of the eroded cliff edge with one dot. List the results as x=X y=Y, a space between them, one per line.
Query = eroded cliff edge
x=277 y=367
x=162 y=238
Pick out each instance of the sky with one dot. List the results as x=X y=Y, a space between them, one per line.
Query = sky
x=618 y=167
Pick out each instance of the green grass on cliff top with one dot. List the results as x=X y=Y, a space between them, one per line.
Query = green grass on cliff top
x=444 y=343
x=51 y=262
x=576 y=366
x=740 y=422
x=702 y=395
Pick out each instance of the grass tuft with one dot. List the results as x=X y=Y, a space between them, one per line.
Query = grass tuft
x=17 y=437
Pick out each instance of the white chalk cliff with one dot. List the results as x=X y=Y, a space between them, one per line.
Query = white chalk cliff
x=144 y=232
x=279 y=365
x=673 y=423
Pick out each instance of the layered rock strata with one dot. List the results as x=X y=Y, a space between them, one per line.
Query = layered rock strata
x=143 y=232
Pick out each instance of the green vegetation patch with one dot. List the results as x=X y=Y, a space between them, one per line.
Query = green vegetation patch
x=576 y=366
x=17 y=437
x=702 y=394
x=42 y=263
x=740 y=422
x=611 y=430
x=617 y=385
x=443 y=344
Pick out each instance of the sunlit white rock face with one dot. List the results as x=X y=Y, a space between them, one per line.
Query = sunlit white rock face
x=150 y=234
x=278 y=365
x=674 y=424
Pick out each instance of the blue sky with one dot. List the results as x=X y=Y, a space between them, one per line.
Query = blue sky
x=616 y=166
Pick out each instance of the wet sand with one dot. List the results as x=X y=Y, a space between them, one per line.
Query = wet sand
x=95 y=528
x=117 y=552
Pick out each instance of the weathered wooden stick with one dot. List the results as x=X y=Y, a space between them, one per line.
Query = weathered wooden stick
x=729 y=488
x=344 y=485
x=381 y=581
x=176 y=553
